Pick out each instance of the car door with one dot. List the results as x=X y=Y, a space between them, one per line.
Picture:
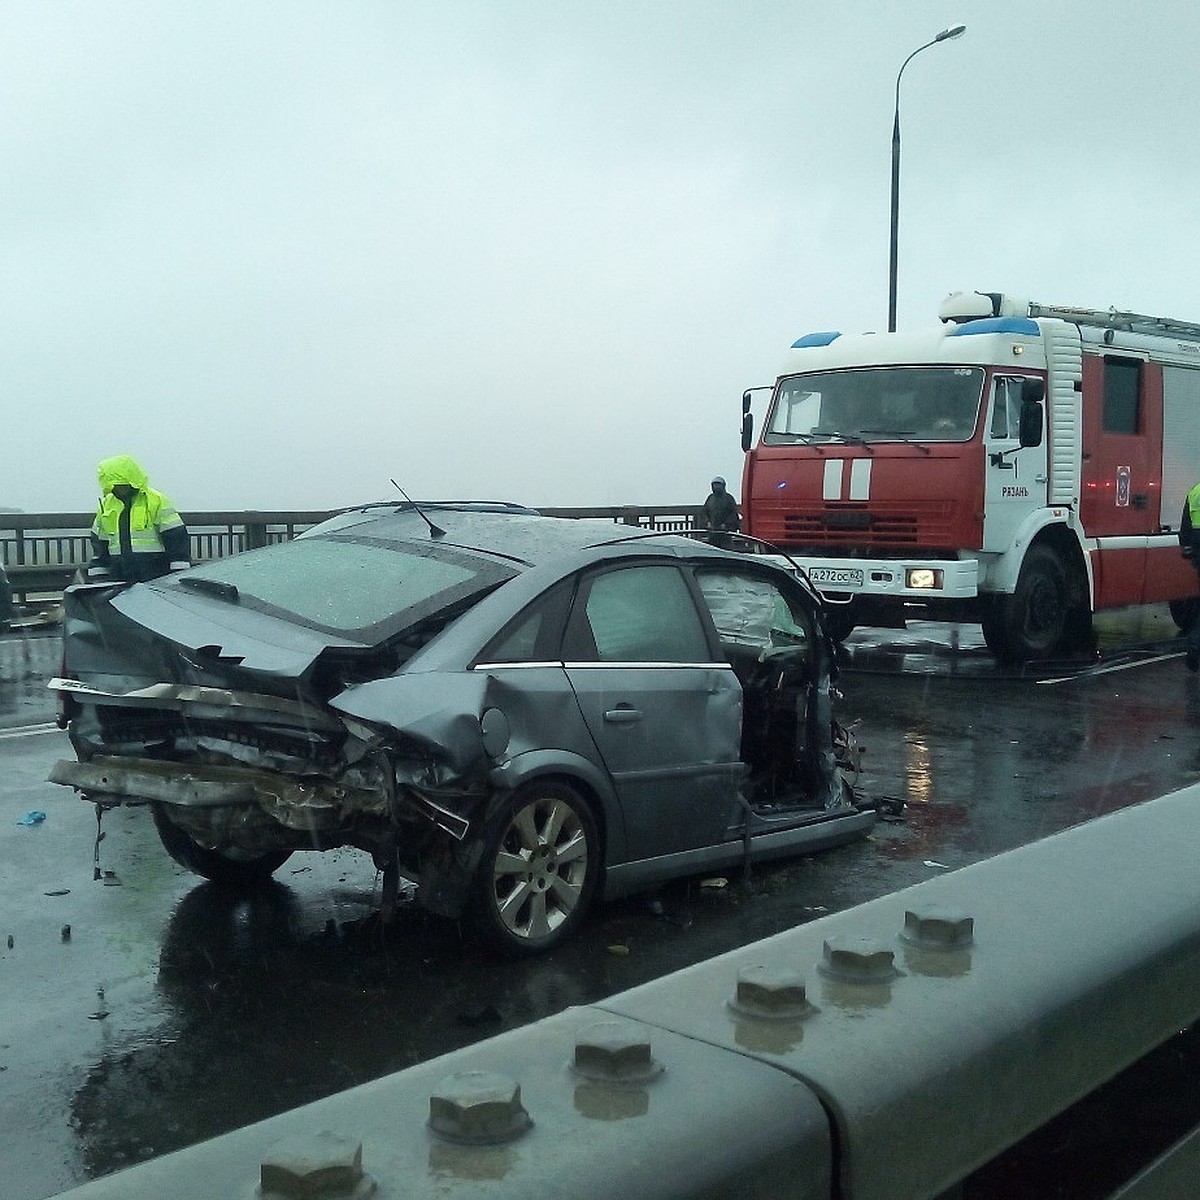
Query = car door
x=662 y=707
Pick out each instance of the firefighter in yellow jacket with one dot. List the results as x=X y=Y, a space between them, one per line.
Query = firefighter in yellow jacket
x=1189 y=544
x=137 y=534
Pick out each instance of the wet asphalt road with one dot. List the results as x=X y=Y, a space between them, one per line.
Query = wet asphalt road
x=146 y=1010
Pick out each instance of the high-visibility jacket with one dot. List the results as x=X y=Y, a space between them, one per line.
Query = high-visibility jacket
x=139 y=539
x=1189 y=526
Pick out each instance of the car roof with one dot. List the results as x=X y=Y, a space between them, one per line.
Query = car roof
x=519 y=535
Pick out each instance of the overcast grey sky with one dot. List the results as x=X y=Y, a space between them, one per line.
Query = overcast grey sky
x=525 y=250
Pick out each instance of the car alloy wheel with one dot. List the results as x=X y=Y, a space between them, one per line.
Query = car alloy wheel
x=539 y=868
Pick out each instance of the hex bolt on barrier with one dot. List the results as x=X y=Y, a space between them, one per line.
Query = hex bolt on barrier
x=614 y=1052
x=478 y=1108
x=935 y=927
x=324 y=1166
x=772 y=993
x=857 y=960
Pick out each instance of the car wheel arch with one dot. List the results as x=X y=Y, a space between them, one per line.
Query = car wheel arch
x=585 y=777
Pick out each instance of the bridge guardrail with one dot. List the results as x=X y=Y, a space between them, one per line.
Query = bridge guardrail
x=922 y=1034
x=42 y=551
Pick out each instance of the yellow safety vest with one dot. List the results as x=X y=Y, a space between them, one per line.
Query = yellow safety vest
x=150 y=512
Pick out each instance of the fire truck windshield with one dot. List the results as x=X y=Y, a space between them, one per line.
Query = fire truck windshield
x=879 y=404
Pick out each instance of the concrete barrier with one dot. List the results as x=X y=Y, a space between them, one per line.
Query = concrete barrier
x=883 y=1052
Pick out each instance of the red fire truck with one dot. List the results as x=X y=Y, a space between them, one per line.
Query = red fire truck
x=1019 y=464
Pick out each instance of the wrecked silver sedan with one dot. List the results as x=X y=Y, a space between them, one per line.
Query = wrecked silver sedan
x=518 y=713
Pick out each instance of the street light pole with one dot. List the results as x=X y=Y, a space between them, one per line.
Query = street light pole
x=953 y=32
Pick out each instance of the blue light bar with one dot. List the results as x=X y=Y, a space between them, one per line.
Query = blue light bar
x=815 y=339
x=998 y=325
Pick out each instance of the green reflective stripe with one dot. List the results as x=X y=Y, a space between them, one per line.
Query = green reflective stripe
x=1193 y=502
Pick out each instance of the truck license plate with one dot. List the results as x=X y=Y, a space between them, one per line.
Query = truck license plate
x=834 y=577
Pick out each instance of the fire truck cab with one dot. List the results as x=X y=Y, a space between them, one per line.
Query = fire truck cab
x=1017 y=464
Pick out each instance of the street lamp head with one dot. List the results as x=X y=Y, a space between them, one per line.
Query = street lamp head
x=954 y=31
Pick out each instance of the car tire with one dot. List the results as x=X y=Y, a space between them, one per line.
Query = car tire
x=228 y=869
x=539 y=869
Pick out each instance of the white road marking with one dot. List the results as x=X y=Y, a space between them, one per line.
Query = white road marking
x=28 y=731
x=1141 y=662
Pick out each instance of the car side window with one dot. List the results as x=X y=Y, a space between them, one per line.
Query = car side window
x=519 y=643
x=751 y=612
x=642 y=613
x=534 y=635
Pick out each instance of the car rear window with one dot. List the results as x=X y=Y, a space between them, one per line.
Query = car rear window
x=352 y=585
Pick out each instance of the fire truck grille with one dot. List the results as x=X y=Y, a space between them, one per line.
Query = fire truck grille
x=838 y=526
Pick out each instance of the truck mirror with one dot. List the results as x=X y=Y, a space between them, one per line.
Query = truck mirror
x=1030 y=432
x=747 y=430
x=745 y=402
x=1033 y=390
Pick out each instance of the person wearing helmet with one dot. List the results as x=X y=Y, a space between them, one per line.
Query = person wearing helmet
x=137 y=534
x=720 y=511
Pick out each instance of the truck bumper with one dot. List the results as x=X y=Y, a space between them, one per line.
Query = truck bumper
x=915 y=580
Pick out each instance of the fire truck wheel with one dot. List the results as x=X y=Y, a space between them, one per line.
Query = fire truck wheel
x=1184 y=612
x=1031 y=623
x=840 y=624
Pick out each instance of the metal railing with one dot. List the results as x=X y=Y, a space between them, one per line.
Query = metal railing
x=887 y=1052
x=41 y=552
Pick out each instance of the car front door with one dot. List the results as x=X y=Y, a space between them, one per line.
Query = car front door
x=663 y=709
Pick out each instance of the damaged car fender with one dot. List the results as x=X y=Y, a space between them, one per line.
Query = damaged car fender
x=584 y=775
x=443 y=712
x=485 y=730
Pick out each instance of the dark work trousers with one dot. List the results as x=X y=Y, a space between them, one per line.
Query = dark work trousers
x=1193 y=638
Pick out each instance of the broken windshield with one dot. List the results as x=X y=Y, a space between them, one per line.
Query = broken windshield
x=350 y=585
x=923 y=404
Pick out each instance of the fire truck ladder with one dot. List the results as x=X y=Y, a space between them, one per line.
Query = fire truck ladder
x=1112 y=318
